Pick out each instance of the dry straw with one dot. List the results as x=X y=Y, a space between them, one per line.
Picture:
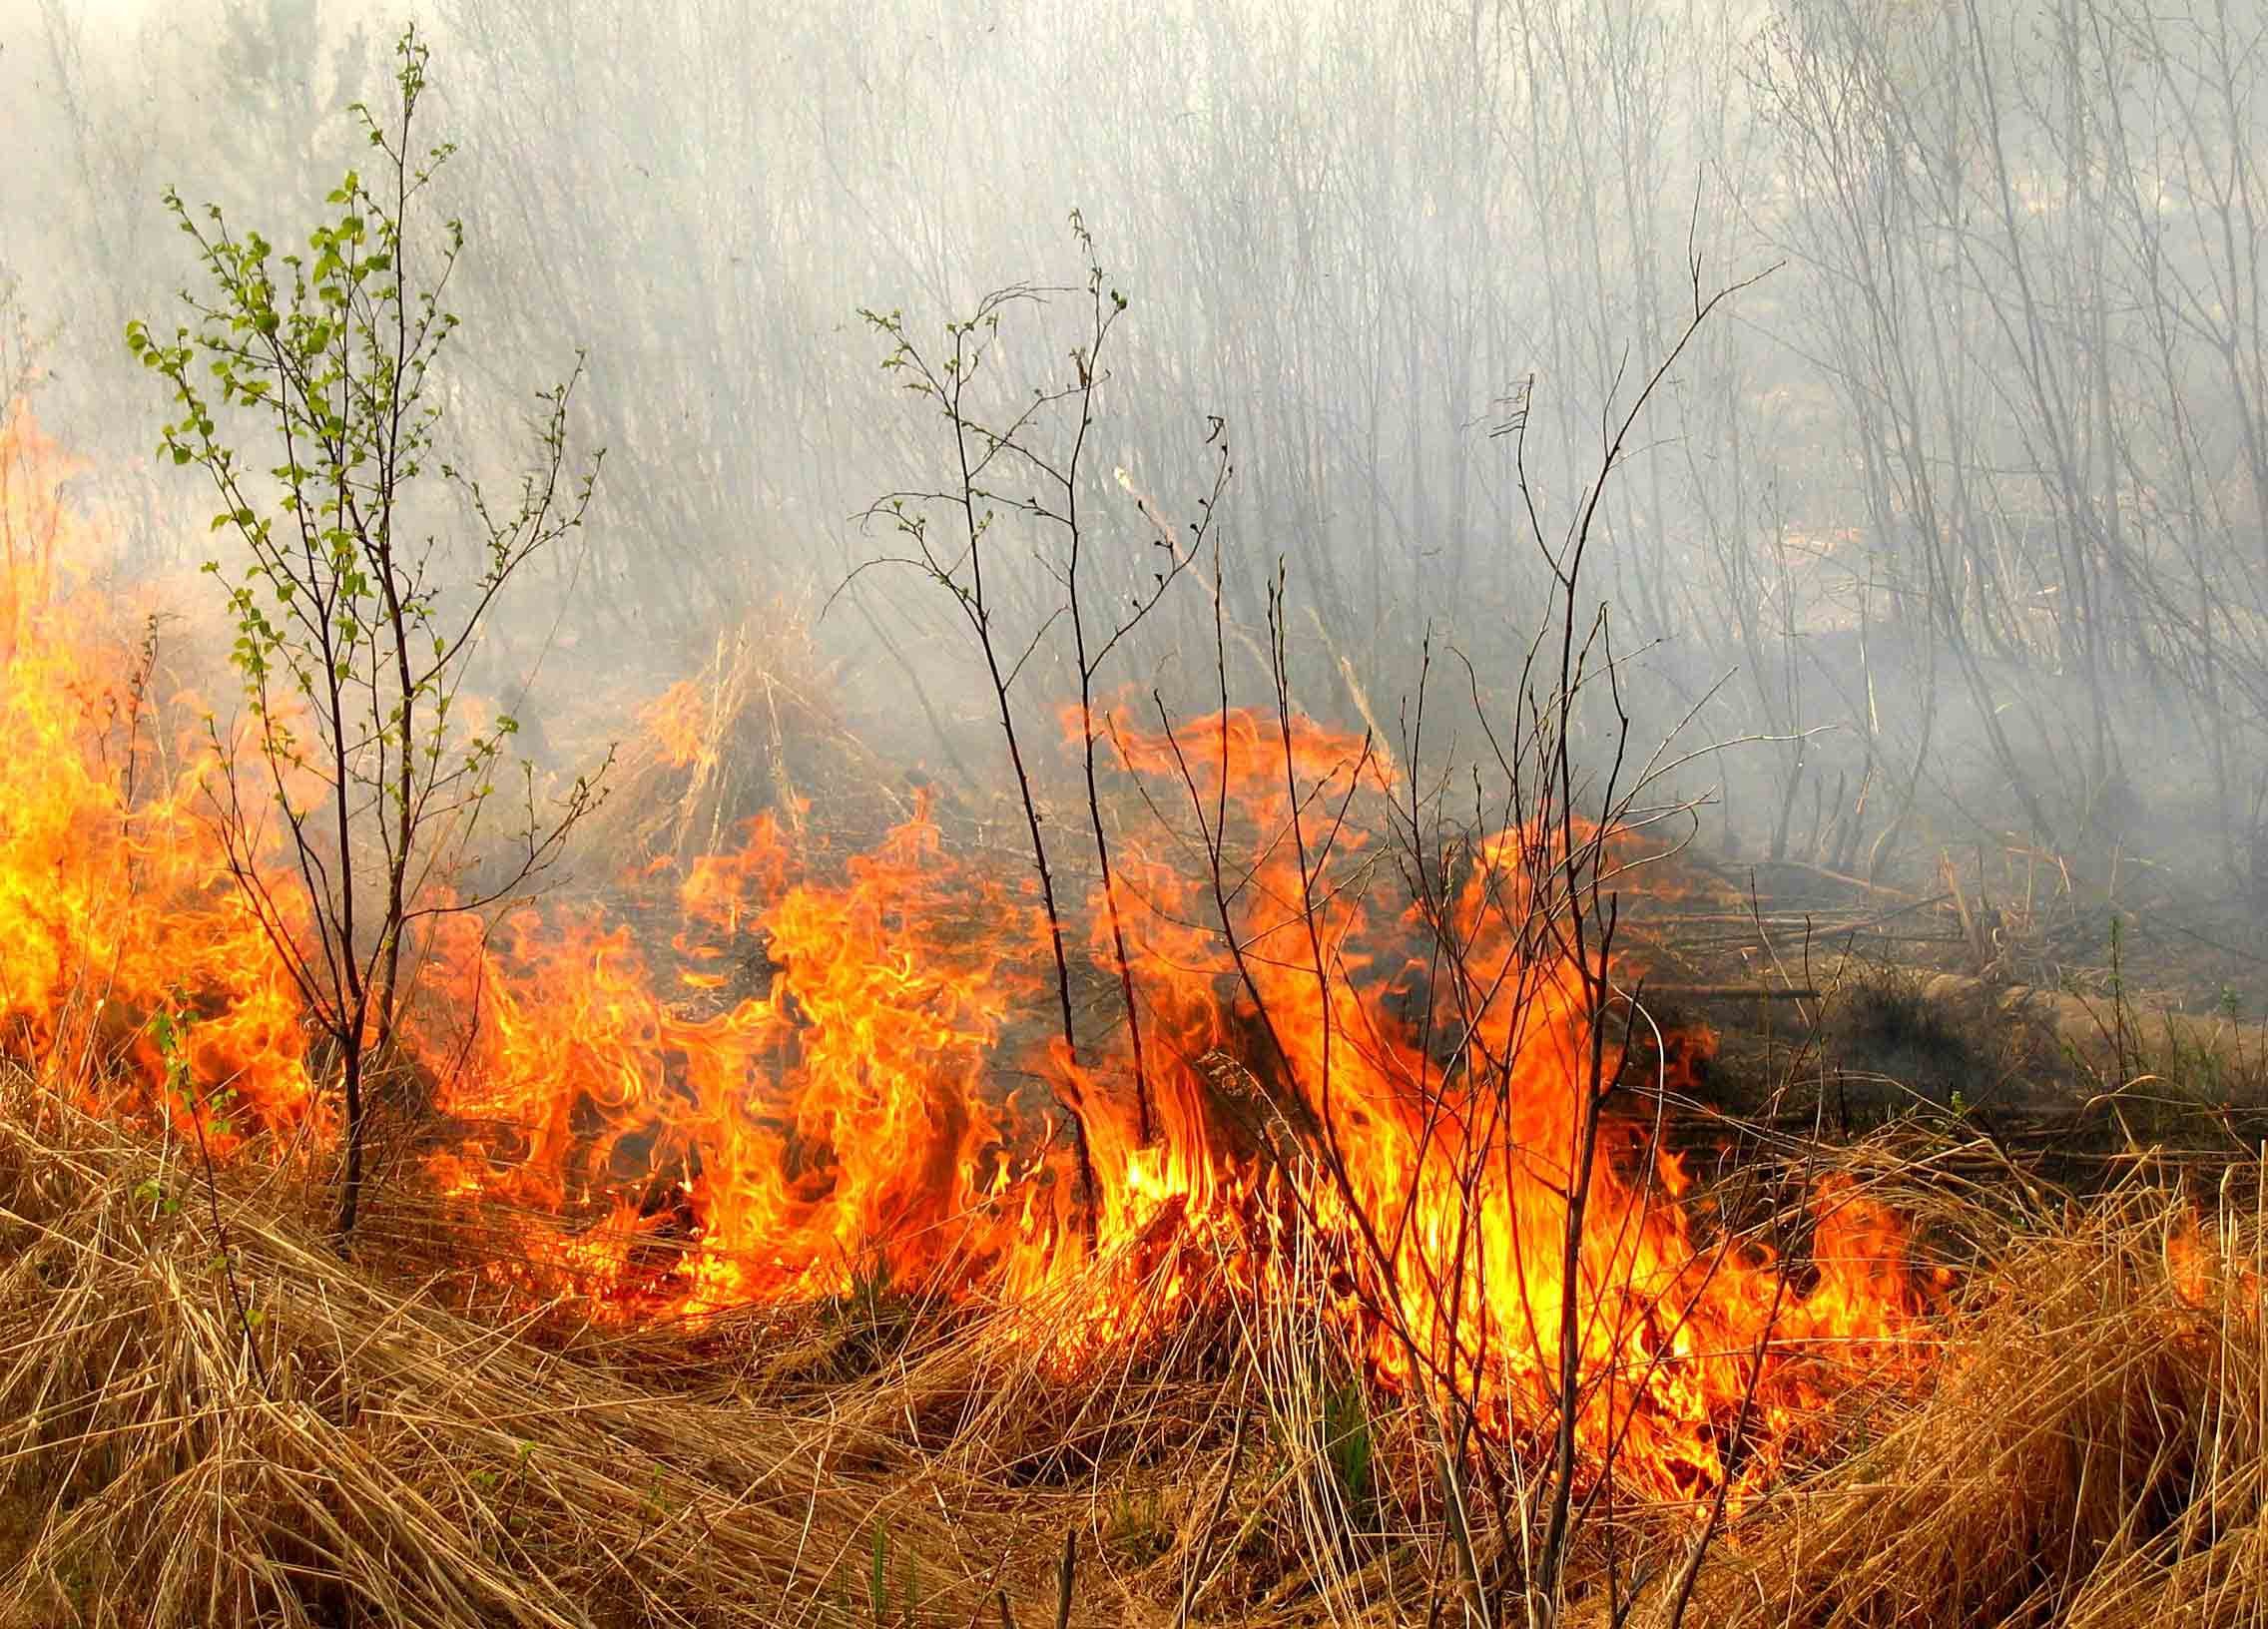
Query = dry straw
x=356 y=1453
x=2090 y=1452
x=404 y=1439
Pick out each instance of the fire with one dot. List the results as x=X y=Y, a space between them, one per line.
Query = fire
x=677 y=720
x=837 y=1058
x=796 y=1128
x=1447 y=1096
x=117 y=899
x=36 y=530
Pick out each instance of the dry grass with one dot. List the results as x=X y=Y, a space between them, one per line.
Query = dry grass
x=362 y=1455
x=2093 y=1451
x=385 y=1445
x=402 y=1439
x=756 y=730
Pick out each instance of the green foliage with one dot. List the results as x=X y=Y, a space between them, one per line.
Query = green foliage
x=333 y=349
x=1136 y=1525
x=871 y=1318
x=168 y=1031
x=351 y=630
x=1348 y=1447
x=892 y=1596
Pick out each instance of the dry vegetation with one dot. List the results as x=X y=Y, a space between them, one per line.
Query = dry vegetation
x=213 y=1416
x=2090 y=1453
x=505 y=1389
x=210 y=1414
x=401 y=1440
x=375 y=1446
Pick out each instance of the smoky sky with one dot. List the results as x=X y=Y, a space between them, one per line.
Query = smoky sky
x=1949 y=520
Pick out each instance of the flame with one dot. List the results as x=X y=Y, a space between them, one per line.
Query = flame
x=677 y=720
x=36 y=530
x=1449 y=1095
x=796 y=1128
x=840 y=1056
x=116 y=898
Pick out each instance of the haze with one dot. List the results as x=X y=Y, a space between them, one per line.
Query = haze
x=1952 y=520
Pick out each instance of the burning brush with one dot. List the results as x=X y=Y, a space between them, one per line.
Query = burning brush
x=1424 y=1113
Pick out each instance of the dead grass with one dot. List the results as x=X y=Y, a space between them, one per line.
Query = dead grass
x=2094 y=1450
x=386 y=1444
x=757 y=730
x=361 y=1455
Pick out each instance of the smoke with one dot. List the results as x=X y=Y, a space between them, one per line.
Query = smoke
x=1950 y=521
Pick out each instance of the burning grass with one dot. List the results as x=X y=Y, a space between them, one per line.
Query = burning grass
x=394 y=1441
x=1399 y=1114
x=771 y=1265
x=753 y=732
x=1413 y=1084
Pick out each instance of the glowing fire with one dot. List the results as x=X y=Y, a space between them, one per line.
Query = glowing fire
x=676 y=719
x=831 y=1059
x=116 y=898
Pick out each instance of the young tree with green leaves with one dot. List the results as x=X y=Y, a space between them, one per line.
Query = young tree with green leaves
x=352 y=624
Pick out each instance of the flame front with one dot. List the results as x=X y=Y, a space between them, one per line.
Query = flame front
x=832 y=1061
x=116 y=896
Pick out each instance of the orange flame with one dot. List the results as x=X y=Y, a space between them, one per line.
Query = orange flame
x=116 y=897
x=852 y=1057
x=676 y=719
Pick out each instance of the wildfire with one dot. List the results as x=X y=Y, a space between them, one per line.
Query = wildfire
x=116 y=898
x=676 y=721
x=832 y=1059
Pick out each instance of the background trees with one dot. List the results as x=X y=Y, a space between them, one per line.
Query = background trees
x=1961 y=506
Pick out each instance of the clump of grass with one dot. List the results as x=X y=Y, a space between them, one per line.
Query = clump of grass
x=2093 y=1451
x=1348 y=1448
x=1135 y=1526
x=349 y=1450
x=1885 y=1027
x=757 y=730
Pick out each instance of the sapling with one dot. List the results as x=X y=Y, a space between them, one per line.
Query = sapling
x=352 y=629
